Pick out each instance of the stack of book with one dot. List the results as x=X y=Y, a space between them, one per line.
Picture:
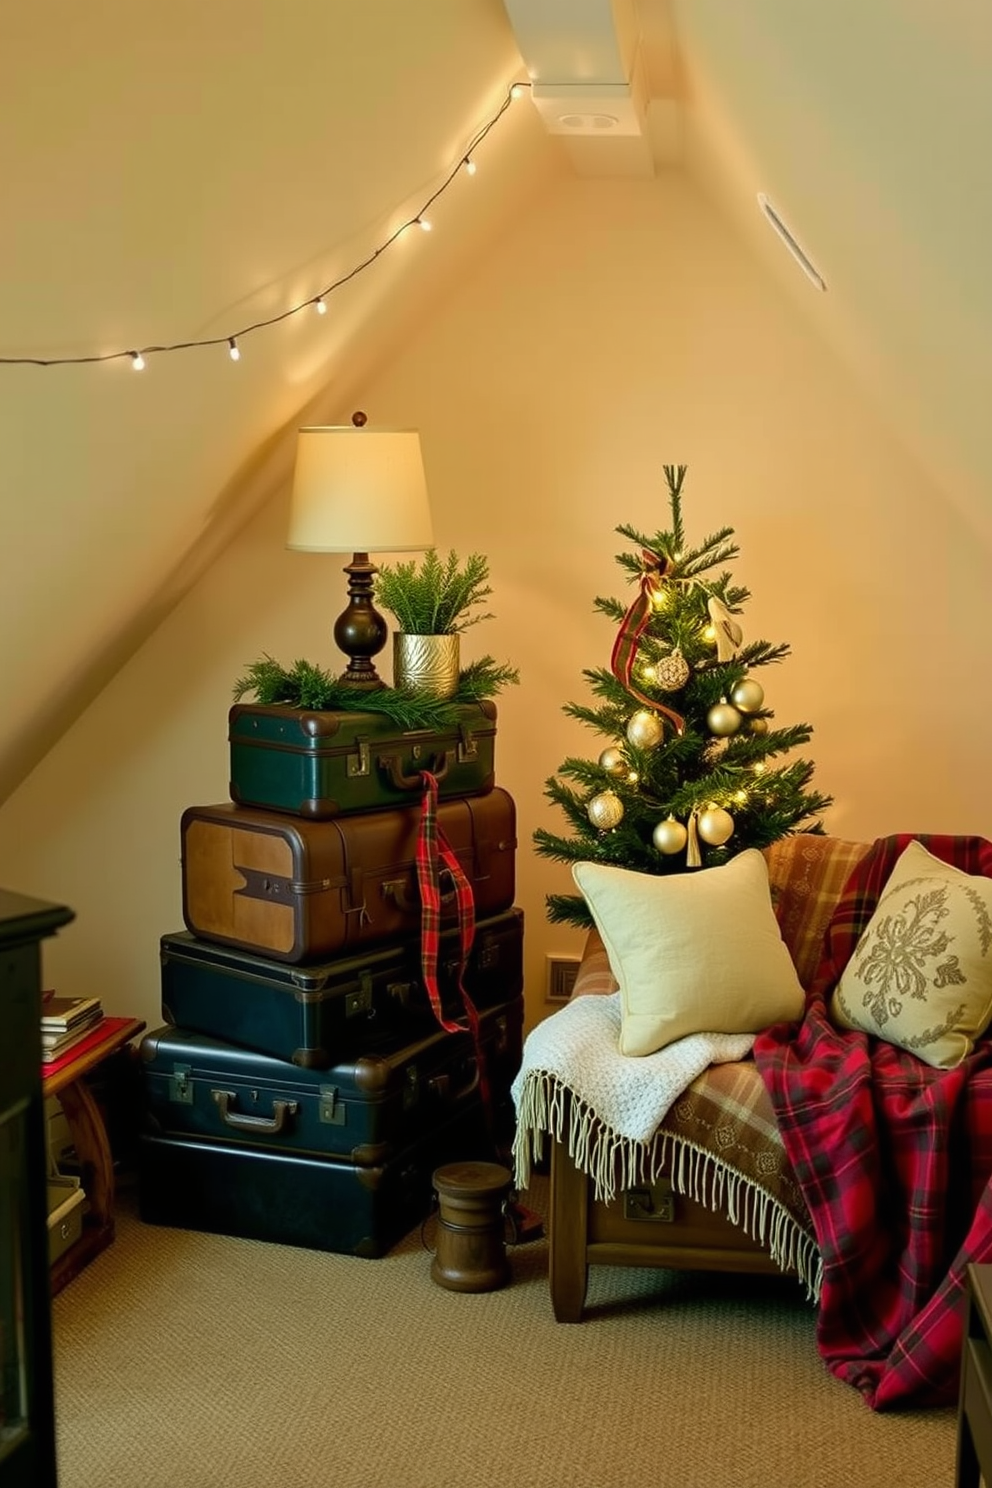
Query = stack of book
x=65 y=1022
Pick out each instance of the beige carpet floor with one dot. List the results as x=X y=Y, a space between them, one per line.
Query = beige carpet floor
x=188 y=1360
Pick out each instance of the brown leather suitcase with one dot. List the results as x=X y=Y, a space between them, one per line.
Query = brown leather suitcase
x=298 y=890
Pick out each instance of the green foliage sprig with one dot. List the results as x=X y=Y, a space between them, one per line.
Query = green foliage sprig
x=484 y=679
x=434 y=596
x=305 y=685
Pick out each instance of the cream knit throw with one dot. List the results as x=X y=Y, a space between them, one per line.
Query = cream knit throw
x=616 y=1102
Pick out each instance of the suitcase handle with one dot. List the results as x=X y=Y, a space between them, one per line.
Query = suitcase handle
x=282 y=1110
x=440 y=1087
x=395 y=889
x=401 y=781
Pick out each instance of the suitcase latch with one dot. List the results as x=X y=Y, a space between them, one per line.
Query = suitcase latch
x=488 y=954
x=332 y=1111
x=360 y=1001
x=360 y=763
x=180 y=1084
x=400 y=992
x=468 y=748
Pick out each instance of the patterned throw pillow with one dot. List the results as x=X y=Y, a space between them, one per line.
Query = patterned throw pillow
x=692 y=952
x=920 y=976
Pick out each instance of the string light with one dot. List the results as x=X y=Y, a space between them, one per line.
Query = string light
x=231 y=339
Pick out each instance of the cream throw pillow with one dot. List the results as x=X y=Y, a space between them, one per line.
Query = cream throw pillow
x=692 y=953
x=921 y=974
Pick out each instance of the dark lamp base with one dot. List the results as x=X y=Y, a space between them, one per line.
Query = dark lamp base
x=360 y=631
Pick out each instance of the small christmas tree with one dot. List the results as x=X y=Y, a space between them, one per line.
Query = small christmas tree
x=686 y=780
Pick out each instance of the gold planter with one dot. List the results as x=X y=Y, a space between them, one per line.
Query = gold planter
x=426 y=663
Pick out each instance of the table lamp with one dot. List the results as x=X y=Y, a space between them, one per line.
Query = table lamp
x=359 y=490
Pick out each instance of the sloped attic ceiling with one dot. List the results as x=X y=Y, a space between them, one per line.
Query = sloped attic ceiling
x=868 y=127
x=178 y=174
x=172 y=174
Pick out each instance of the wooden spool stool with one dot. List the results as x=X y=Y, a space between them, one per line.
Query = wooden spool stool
x=470 y=1254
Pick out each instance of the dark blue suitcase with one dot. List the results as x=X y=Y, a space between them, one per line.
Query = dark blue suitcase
x=299 y=1198
x=317 y=1015
x=363 y=1110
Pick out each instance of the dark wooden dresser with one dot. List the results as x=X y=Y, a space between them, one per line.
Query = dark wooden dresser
x=27 y=1425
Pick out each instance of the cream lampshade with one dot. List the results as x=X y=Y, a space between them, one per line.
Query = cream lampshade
x=359 y=490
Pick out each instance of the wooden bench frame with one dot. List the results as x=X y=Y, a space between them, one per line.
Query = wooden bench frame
x=584 y=1231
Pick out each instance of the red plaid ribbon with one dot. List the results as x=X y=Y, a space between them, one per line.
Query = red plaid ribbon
x=633 y=626
x=434 y=857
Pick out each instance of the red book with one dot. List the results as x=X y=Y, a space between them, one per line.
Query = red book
x=96 y=1036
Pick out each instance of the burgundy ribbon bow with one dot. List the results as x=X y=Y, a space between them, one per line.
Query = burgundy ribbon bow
x=633 y=626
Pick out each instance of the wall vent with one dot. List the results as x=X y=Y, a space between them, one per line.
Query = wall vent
x=561 y=974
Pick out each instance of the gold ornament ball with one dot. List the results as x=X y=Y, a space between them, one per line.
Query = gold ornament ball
x=605 y=810
x=645 y=729
x=758 y=727
x=672 y=672
x=669 y=836
x=612 y=761
x=716 y=826
x=748 y=696
x=723 y=720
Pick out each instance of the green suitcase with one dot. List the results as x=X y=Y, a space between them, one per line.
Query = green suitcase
x=325 y=764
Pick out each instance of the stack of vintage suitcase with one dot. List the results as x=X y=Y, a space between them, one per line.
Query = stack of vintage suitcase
x=303 y=1089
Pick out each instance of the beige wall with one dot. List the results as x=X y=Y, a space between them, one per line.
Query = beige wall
x=612 y=330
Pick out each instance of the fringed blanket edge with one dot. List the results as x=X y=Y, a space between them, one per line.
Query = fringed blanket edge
x=615 y=1162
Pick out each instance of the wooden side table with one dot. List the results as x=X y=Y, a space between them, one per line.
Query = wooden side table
x=974 y=1456
x=92 y=1144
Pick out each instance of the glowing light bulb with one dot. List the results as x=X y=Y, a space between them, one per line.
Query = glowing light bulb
x=741 y=797
x=470 y=166
x=659 y=597
x=423 y=224
x=319 y=305
x=709 y=634
x=517 y=91
x=232 y=349
x=649 y=673
x=137 y=361
x=632 y=777
x=759 y=767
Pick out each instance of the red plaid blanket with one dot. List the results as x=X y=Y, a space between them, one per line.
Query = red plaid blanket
x=894 y=1160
